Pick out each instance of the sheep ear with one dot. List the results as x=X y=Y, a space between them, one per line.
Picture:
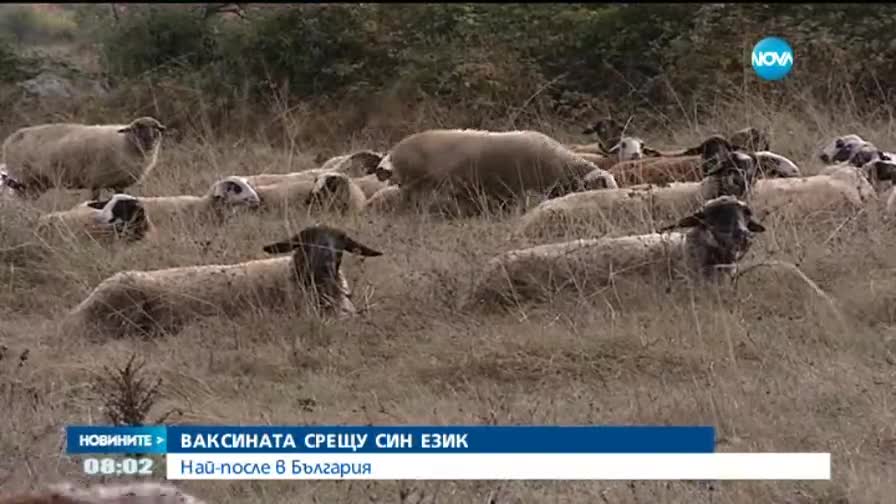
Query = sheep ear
x=125 y=129
x=651 y=152
x=282 y=247
x=98 y=204
x=613 y=149
x=689 y=221
x=755 y=226
x=360 y=249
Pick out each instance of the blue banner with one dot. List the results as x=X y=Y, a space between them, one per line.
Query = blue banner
x=393 y=439
x=107 y=439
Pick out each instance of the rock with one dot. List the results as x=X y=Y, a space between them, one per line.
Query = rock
x=49 y=85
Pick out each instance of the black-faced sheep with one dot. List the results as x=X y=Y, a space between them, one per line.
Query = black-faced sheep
x=144 y=492
x=720 y=234
x=468 y=164
x=595 y=213
x=80 y=156
x=841 y=149
x=163 y=300
x=123 y=217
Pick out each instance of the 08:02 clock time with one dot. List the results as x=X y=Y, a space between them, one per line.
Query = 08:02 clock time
x=110 y=466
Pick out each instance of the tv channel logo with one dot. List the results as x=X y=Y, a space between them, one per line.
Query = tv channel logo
x=772 y=58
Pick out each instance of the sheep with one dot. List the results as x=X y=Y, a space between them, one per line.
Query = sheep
x=143 y=492
x=608 y=131
x=684 y=166
x=330 y=190
x=79 y=156
x=775 y=165
x=164 y=300
x=9 y=187
x=369 y=184
x=721 y=233
x=230 y=192
x=750 y=139
x=591 y=211
x=356 y=165
x=803 y=196
x=121 y=217
x=387 y=199
x=841 y=149
x=502 y=165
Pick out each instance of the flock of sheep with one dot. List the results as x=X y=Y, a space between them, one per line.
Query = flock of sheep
x=712 y=193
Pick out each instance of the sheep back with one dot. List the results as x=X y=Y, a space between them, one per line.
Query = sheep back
x=801 y=196
x=498 y=163
x=663 y=170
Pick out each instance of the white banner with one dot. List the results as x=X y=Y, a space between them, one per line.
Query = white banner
x=500 y=466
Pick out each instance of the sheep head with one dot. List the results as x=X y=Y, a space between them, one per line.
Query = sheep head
x=721 y=233
x=331 y=190
x=879 y=170
x=125 y=214
x=841 y=148
x=733 y=175
x=317 y=254
x=751 y=139
x=234 y=192
x=631 y=148
x=144 y=132
x=361 y=163
x=776 y=165
x=607 y=130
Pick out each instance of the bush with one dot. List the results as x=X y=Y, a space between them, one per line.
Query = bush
x=25 y=24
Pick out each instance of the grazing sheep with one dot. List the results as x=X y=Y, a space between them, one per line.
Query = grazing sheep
x=230 y=192
x=721 y=233
x=596 y=212
x=163 y=300
x=750 y=139
x=144 y=492
x=799 y=197
x=79 y=156
x=355 y=165
x=121 y=217
x=470 y=163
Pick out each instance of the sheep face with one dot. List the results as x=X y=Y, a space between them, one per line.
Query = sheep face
x=776 y=165
x=880 y=170
x=628 y=148
x=599 y=179
x=317 y=255
x=750 y=139
x=362 y=163
x=608 y=131
x=722 y=232
x=8 y=185
x=330 y=190
x=125 y=214
x=385 y=169
x=732 y=176
x=145 y=133
x=864 y=153
x=234 y=192
x=841 y=149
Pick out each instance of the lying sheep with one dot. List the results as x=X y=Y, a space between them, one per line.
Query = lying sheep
x=773 y=165
x=230 y=192
x=369 y=184
x=355 y=165
x=804 y=196
x=468 y=164
x=122 y=217
x=597 y=212
x=843 y=148
x=144 y=492
x=163 y=300
x=750 y=139
x=608 y=132
x=328 y=191
x=386 y=200
x=9 y=187
x=79 y=156
x=684 y=166
x=721 y=233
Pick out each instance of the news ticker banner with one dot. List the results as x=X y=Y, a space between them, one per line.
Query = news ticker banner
x=442 y=453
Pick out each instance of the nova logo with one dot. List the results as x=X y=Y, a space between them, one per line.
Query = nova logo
x=772 y=58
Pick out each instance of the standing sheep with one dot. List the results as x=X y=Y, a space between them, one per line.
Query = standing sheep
x=121 y=217
x=163 y=300
x=721 y=233
x=79 y=156
x=467 y=164
x=144 y=492
x=595 y=213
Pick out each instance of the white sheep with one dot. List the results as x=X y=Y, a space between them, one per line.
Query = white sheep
x=356 y=165
x=142 y=492
x=230 y=192
x=328 y=191
x=121 y=217
x=468 y=164
x=803 y=196
x=163 y=300
x=841 y=149
x=79 y=156
x=597 y=212
x=721 y=233
x=387 y=199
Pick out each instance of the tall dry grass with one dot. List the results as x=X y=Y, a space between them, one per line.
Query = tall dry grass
x=771 y=367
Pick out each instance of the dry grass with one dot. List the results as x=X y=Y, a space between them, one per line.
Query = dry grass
x=772 y=369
